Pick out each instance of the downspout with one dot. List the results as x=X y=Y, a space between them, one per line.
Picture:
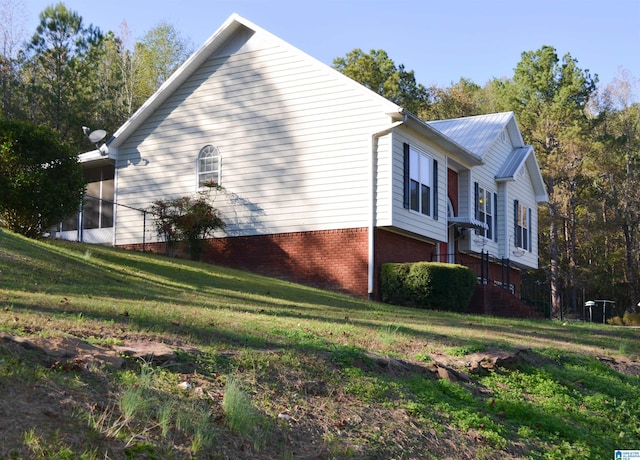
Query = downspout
x=372 y=211
x=114 y=154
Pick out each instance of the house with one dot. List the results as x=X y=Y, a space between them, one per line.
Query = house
x=325 y=180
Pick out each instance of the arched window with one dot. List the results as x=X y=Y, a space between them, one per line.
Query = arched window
x=208 y=166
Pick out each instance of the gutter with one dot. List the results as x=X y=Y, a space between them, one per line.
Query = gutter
x=372 y=210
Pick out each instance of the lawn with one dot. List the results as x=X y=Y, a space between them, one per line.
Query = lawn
x=263 y=368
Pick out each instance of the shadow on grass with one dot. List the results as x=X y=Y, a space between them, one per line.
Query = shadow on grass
x=65 y=269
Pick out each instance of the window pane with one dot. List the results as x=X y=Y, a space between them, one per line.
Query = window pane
x=106 y=208
x=91 y=212
x=208 y=165
x=520 y=216
x=414 y=166
x=426 y=201
x=425 y=175
x=481 y=202
x=415 y=205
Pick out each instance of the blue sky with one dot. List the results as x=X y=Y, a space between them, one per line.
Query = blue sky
x=440 y=40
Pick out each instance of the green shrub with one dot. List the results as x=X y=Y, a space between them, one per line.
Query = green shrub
x=187 y=219
x=431 y=285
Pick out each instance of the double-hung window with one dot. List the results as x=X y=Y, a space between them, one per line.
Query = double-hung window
x=420 y=178
x=208 y=166
x=485 y=211
x=522 y=226
x=420 y=182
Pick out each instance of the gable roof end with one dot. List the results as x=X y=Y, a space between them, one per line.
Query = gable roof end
x=228 y=28
x=524 y=157
x=232 y=25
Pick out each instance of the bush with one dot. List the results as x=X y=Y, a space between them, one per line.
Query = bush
x=431 y=285
x=41 y=181
x=186 y=219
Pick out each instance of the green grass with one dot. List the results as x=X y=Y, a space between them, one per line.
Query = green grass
x=286 y=371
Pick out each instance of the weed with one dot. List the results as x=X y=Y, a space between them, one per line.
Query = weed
x=465 y=350
x=54 y=448
x=347 y=355
x=389 y=334
x=165 y=415
x=425 y=357
x=242 y=417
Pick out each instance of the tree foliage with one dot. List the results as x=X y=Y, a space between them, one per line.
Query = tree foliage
x=614 y=180
x=41 y=181
x=69 y=75
x=157 y=55
x=57 y=72
x=462 y=99
x=550 y=98
x=12 y=32
x=377 y=71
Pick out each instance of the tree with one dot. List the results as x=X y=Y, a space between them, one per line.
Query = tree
x=108 y=84
x=12 y=22
x=461 y=99
x=160 y=52
x=550 y=98
x=41 y=181
x=57 y=73
x=615 y=180
x=379 y=73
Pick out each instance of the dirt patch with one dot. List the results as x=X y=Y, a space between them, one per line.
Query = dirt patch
x=74 y=350
x=44 y=407
x=49 y=408
x=623 y=365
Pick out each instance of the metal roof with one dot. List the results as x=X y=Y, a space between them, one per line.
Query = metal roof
x=477 y=134
x=513 y=163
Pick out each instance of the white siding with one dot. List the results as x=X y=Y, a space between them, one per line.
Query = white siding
x=522 y=190
x=294 y=138
x=485 y=177
x=384 y=183
x=404 y=219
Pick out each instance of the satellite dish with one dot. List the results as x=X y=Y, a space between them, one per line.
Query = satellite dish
x=97 y=135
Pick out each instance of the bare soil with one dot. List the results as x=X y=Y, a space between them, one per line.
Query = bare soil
x=51 y=407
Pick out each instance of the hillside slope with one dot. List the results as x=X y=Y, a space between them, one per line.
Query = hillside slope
x=114 y=354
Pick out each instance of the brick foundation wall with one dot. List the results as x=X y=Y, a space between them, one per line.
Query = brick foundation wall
x=395 y=248
x=330 y=259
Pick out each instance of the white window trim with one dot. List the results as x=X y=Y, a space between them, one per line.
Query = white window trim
x=218 y=157
x=522 y=239
x=490 y=194
x=425 y=161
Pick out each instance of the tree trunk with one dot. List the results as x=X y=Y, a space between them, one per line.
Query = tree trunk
x=631 y=268
x=554 y=265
